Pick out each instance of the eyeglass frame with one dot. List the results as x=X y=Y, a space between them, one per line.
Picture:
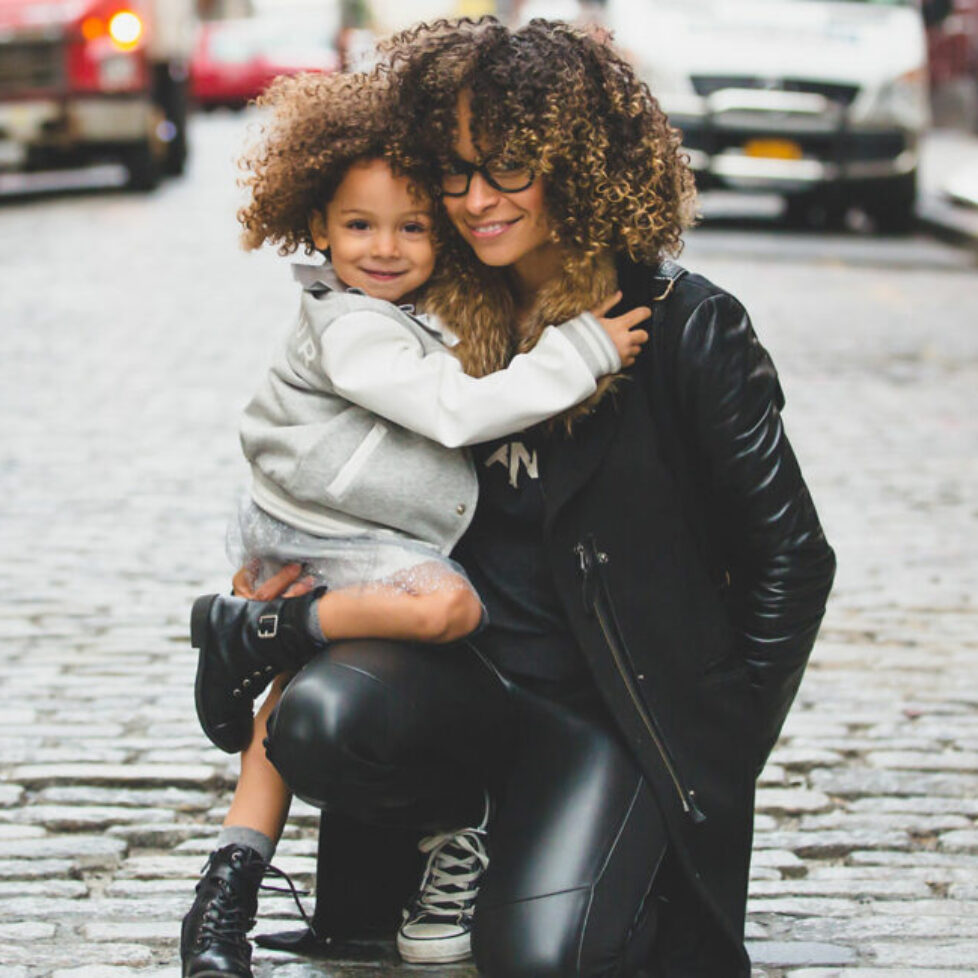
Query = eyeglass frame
x=470 y=169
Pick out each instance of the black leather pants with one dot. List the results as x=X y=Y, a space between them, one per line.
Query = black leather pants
x=406 y=734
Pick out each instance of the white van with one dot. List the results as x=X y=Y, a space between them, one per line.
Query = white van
x=823 y=101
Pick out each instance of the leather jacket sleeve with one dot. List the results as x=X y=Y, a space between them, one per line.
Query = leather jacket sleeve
x=780 y=567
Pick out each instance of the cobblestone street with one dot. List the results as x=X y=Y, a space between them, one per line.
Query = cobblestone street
x=134 y=329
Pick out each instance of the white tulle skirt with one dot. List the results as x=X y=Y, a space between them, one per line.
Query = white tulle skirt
x=383 y=559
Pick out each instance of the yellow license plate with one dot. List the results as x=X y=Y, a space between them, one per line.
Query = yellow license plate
x=776 y=149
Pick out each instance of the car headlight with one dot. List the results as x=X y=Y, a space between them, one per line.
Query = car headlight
x=903 y=102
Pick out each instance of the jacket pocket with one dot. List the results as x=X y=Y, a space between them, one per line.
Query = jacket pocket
x=355 y=464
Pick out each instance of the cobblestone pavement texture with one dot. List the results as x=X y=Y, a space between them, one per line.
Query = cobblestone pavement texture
x=133 y=332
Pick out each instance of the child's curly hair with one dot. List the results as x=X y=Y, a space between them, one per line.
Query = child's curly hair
x=566 y=102
x=319 y=126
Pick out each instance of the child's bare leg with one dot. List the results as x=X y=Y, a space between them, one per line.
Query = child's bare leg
x=261 y=799
x=444 y=614
x=213 y=936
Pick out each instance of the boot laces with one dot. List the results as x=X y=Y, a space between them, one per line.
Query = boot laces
x=225 y=918
x=456 y=862
x=290 y=888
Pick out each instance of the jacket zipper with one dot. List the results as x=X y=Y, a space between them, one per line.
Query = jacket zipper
x=590 y=560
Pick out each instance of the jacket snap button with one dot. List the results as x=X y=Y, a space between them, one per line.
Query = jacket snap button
x=641 y=675
x=460 y=508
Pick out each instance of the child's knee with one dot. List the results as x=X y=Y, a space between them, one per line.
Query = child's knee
x=449 y=614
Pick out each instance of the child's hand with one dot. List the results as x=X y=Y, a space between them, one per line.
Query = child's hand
x=288 y=583
x=628 y=340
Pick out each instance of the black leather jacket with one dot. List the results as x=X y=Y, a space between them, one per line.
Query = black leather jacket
x=693 y=568
x=717 y=406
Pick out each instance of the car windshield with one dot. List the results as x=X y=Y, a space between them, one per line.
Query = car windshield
x=232 y=47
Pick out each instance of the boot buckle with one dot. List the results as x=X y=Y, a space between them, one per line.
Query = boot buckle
x=267 y=626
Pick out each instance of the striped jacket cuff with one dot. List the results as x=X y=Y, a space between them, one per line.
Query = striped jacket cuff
x=593 y=344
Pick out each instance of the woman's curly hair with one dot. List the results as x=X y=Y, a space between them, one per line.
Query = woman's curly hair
x=566 y=102
x=318 y=126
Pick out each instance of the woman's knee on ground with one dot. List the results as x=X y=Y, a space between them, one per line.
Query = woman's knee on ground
x=536 y=938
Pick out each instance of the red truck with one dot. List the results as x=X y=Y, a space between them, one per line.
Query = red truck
x=85 y=81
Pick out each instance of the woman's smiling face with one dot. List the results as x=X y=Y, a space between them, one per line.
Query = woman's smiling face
x=503 y=229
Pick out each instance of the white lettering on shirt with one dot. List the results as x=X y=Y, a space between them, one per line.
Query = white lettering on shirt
x=512 y=456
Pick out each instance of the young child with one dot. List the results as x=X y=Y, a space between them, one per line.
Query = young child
x=358 y=473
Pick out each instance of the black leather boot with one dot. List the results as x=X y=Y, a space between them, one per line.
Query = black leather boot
x=213 y=938
x=243 y=645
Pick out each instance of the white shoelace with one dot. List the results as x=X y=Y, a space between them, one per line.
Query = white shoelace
x=456 y=862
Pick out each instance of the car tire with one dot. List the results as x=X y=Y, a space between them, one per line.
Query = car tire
x=892 y=204
x=171 y=98
x=144 y=166
x=175 y=158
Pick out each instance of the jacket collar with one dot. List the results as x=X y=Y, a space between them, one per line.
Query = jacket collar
x=567 y=469
x=315 y=278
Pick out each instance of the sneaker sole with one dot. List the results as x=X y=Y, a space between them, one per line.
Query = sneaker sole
x=199 y=636
x=428 y=952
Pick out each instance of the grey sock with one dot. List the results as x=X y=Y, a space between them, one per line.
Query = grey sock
x=314 y=624
x=241 y=835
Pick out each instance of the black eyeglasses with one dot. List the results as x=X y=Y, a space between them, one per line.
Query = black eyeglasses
x=507 y=177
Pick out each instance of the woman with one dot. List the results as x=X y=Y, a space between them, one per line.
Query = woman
x=653 y=567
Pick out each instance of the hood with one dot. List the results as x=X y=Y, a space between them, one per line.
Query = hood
x=830 y=40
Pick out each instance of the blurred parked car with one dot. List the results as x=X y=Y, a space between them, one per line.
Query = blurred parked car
x=85 y=81
x=823 y=101
x=236 y=60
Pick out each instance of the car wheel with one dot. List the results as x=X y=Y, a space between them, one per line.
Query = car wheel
x=144 y=168
x=892 y=204
x=175 y=159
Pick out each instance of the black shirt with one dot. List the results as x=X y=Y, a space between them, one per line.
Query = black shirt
x=504 y=554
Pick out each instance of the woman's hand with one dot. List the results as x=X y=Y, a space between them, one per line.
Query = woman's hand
x=288 y=583
x=628 y=340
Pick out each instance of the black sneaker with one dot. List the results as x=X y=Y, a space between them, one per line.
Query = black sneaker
x=437 y=923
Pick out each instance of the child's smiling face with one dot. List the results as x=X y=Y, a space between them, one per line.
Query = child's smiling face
x=378 y=232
